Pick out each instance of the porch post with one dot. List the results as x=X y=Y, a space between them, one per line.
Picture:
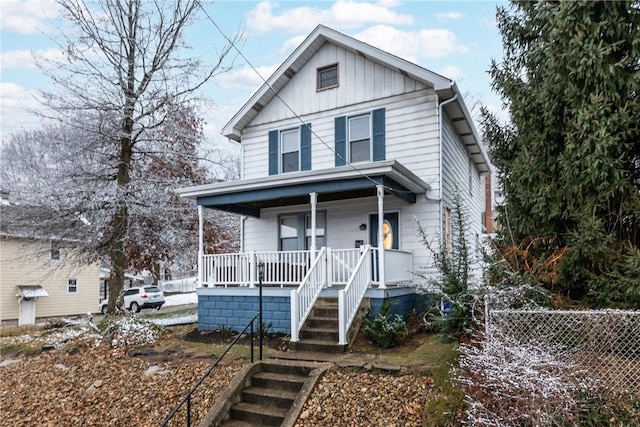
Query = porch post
x=381 y=282
x=200 y=245
x=314 y=202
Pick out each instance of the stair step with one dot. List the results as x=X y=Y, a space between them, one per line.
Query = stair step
x=324 y=311
x=239 y=423
x=256 y=413
x=278 y=381
x=324 y=334
x=290 y=368
x=318 y=346
x=321 y=322
x=269 y=396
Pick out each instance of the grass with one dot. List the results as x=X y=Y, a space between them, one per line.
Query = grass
x=446 y=409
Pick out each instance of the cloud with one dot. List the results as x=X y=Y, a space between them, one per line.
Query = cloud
x=451 y=72
x=15 y=103
x=27 y=16
x=448 y=16
x=342 y=14
x=245 y=78
x=27 y=58
x=412 y=45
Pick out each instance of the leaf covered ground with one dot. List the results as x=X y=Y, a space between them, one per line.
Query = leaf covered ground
x=81 y=383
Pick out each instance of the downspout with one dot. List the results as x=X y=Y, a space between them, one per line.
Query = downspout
x=440 y=132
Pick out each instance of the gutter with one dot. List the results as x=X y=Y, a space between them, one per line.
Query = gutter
x=440 y=122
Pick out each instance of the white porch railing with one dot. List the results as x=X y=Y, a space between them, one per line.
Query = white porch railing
x=286 y=268
x=227 y=269
x=350 y=297
x=304 y=297
x=342 y=262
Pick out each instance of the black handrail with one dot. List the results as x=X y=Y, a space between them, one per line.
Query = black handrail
x=187 y=397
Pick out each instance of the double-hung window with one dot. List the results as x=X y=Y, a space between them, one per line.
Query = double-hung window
x=290 y=149
x=72 y=286
x=360 y=139
x=296 y=231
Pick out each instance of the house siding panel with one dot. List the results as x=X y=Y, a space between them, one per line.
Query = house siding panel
x=24 y=262
x=455 y=171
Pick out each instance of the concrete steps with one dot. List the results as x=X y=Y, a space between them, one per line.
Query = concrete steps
x=267 y=393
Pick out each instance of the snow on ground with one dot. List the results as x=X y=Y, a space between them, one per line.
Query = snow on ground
x=180 y=299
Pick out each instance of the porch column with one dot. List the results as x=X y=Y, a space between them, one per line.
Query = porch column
x=381 y=282
x=200 y=245
x=314 y=202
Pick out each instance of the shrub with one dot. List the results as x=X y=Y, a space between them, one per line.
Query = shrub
x=385 y=330
x=507 y=383
x=128 y=330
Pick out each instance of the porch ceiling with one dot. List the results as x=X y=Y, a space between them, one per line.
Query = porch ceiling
x=249 y=197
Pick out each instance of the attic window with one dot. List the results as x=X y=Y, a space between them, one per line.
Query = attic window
x=328 y=77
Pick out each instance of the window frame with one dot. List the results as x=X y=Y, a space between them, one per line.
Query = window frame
x=281 y=152
x=302 y=238
x=72 y=283
x=324 y=69
x=349 y=141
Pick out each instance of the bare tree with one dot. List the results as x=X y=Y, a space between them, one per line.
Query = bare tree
x=124 y=78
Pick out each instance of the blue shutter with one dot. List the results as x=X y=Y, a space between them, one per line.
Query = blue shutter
x=378 y=135
x=273 y=152
x=341 y=140
x=305 y=147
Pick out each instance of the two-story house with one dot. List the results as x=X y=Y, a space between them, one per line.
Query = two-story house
x=345 y=149
x=39 y=276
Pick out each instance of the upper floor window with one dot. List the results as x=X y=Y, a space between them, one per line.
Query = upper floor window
x=359 y=139
x=327 y=77
x=72 y=286
x=290 y=149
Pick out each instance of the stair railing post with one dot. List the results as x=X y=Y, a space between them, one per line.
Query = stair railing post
x=329 y=271
x=294 y=315
x=342 y=333
x=252 y=269
x=260 y=278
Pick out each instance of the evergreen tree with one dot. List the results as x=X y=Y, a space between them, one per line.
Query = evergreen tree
x=569 y=161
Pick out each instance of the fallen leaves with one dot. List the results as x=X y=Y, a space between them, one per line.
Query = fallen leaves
x=99 y=389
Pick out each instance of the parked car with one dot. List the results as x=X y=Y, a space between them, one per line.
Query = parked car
x=137 y=298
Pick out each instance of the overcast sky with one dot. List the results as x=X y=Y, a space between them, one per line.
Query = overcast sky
x=455 y=39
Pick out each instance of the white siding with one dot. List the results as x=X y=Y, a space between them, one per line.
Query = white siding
x=411 y=138
x=455 y=171
x=343 y=221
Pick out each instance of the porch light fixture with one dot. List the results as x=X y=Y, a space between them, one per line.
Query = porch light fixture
x=363 y=227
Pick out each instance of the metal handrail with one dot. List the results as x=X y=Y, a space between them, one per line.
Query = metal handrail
x=187 y=397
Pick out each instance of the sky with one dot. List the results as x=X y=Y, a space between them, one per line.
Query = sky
x=457 y=39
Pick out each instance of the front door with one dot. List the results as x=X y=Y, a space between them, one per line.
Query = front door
x=389 y=229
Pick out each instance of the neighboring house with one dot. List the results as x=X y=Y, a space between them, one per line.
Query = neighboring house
x=341 y=135
x=37 y=282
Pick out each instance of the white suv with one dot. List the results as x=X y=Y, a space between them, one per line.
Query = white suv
x=138 y=298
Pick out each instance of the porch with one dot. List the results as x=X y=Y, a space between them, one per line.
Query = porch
x=292 y=282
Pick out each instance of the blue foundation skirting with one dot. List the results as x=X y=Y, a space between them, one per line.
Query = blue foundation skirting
x=232 y=308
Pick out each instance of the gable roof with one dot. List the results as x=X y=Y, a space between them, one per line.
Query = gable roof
x=444 y=87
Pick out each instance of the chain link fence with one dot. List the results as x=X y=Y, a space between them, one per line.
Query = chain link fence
x=606 y=343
